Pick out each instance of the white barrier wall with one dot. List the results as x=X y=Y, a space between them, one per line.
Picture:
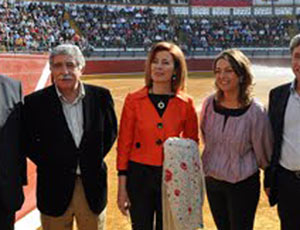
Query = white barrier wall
x=275 y=2
x=243 y=11
x=180 y=10
x=221 y=11
x=200 y=10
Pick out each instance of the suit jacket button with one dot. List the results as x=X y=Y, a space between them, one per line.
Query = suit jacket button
x=160 y=125
x=158 y=142
x=137 y=145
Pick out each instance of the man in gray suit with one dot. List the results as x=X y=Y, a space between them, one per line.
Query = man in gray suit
x=12 y=163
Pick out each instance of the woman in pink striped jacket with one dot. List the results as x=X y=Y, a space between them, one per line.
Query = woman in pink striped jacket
x=237 y=138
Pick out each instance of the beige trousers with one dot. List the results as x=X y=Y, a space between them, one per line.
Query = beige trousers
x=79 y=211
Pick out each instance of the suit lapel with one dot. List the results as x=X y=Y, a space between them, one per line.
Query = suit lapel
x=87 y=109
x=3 y=104
x=281 y=100
x=6 y=103
x=88 y=113
x=282 y=104
x=59 y=118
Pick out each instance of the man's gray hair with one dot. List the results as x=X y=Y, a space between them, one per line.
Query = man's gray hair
x=70 y=50
x=295 y=42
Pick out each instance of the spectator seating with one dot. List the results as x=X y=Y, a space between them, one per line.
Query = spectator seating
x=38 y=26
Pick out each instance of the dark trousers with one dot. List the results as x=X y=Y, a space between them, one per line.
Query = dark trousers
x=233 y=206
x=6 y=220
x=288 y=199
x=144 y=191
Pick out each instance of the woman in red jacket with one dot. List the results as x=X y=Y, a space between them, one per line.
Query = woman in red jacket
x=151 y=115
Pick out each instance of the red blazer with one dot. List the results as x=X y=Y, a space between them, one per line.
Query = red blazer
x=143 y=132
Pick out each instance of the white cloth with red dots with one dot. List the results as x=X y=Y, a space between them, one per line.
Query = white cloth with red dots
x=183 y=185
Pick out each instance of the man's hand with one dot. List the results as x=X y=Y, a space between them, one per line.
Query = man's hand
x=267 y=191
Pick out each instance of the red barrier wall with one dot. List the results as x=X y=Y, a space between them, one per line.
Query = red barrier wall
x=29 y=191
x=135 y=66
x=114 y=66
x=26 y=68
x=199 y=64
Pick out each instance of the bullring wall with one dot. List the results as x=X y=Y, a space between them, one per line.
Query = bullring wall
x=106 y=66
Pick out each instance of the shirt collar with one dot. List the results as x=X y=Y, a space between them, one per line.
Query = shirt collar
x=79 y=97
x=293 y=89
x=293 y=86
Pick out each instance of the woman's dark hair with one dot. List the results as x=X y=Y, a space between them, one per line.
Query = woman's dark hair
x=241 y=65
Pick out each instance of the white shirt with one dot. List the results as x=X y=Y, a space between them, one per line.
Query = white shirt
x=74 y=116
x=290 y=154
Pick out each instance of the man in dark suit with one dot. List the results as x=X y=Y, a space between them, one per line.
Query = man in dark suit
x=284 y=174
x=12 y=163
x=70 y=127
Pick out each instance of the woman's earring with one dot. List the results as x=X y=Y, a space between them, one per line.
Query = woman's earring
x=174 y=77
x=241 y=79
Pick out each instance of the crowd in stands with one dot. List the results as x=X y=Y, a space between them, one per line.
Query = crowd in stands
x=166 y=2
x=34 y=26
x=227 y=32
x=127 y=27
x=134 y=2
x=137 y=27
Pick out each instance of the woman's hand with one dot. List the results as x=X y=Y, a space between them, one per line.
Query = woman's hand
x=123 y=200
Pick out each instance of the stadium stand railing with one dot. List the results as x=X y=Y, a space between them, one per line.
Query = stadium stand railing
x=218 y=3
